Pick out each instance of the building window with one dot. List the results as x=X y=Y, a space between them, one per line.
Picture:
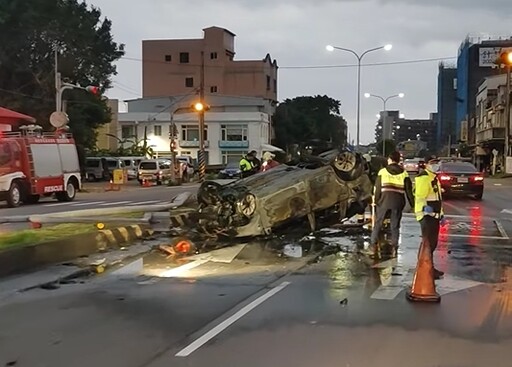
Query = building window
x=191 y=133
x=127 y=132
x=232 y=156
x=168 y=58
x=268 y=82
x=213 y=55
x=213 y=89
x=234 y=132
x=184 y=58
x=189 y=82
x=158 y=130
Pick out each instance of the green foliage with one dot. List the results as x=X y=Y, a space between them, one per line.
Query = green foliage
x=30 y=31
x=309 y=118
x=389 y=145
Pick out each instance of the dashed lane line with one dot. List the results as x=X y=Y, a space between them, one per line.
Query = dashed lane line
x=205 y=338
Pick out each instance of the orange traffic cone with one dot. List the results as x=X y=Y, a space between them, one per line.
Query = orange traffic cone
x=423 y=285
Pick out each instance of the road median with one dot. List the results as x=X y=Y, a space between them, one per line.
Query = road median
x=28 y=250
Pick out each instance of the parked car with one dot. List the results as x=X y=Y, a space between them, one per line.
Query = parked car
x=131 y=164
x=458 y=178
x=232 y=170
x=256 y=205
x=413 y=165
x=154 y=170
x=187 y=167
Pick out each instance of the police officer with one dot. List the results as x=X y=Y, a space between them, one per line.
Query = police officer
x=429 y=205
x=247 y=165
x=391 y=187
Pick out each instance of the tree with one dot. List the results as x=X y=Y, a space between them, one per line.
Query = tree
x=388 y=144
x=309 y=118
x=30 y=31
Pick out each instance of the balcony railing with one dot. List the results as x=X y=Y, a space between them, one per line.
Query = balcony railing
x=192 y=143
x=233 y=144
x=497 y=133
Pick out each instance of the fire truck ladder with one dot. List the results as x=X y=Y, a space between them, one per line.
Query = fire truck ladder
x=32 y=169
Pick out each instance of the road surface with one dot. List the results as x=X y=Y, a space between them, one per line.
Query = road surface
x=253 y=306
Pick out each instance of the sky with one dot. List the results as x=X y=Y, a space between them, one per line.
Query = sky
x=295 y=33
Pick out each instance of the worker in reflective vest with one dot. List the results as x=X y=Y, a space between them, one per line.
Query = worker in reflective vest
x=429 y=205
x=391 y=187
x=247 y=165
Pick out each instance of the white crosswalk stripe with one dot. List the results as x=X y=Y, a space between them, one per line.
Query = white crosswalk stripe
x=108 y=203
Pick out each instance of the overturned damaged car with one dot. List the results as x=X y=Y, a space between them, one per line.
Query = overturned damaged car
x=335 y=183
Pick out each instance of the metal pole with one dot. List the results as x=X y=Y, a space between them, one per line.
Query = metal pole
x=507 y=118
x=58 y=92
x=358 y=101
x=202 y=158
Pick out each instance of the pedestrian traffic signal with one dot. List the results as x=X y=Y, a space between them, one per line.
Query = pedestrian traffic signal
x=93 y=90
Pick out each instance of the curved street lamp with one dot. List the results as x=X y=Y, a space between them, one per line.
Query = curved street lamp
x=384 y=99
x=359 y=57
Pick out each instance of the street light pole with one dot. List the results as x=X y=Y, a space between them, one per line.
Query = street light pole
x=507 y=116
x=359 y=65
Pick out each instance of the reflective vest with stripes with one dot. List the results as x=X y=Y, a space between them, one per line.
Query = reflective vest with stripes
x=246 y=165
x=392 y=183
x=427 y=192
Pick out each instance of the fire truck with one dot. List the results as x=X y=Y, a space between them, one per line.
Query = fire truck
x=35 y=164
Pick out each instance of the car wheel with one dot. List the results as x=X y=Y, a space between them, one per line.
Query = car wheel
x=479 y=196
x=91 y=178
x=348 y=166
x=14 y=195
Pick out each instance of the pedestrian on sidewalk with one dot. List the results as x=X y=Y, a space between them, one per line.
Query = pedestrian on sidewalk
x=428 y=205
x=391 y=187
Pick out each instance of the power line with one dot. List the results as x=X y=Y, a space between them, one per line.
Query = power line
x=291 y=67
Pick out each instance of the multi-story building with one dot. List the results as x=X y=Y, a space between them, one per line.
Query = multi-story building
x=106 y=133
x=446 y=105
x=490 y=116
x=475 y=62
x=392 y=126
x=233 y=126
x=173 y=67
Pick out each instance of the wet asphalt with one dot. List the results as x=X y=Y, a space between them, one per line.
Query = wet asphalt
x=299 y=300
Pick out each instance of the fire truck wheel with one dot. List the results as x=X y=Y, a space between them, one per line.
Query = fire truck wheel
x=70 y=192
x=14 y=195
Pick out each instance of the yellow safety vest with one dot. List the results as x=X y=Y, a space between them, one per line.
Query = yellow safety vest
x=427 y=191
x=392 y=183
x=246 y=165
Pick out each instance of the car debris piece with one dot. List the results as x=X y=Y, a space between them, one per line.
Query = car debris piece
x=335 y=182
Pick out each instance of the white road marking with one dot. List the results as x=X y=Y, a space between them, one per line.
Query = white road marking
x=88 y=203
x=501 y=229
x=506 y=211
x=57 y=204
x=116 y=203
x=497 y=184
x=391 y=290
x=181 y=269
x=477 y=237
x=145 y=202
x=198 y=343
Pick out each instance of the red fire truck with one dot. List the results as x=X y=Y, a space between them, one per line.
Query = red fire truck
x=35 y=163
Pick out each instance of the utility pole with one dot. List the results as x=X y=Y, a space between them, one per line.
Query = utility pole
x=58 y=86
x=507 y=117
x=176 y=167
x=202 y=158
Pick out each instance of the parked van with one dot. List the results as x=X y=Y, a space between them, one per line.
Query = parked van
x=154 y=170
x=132 y=164
x=101 y=168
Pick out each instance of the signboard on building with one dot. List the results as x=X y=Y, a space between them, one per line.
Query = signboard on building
x=464 y=131
x=488 y=56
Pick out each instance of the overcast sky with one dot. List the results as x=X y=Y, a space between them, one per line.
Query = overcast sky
x=295 y=32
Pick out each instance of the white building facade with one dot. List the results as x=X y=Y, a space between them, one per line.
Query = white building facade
x=233 y=127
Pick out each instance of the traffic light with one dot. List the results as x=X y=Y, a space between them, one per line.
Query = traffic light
x=173 y=145
x=200 y=107
x=93 y=90
x=505 y=57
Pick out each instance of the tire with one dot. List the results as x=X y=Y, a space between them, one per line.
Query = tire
x=348 y=166
x=91 y=178
x=14 y=195
x=70 y=193
x=479 y=196
x=31 y=199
